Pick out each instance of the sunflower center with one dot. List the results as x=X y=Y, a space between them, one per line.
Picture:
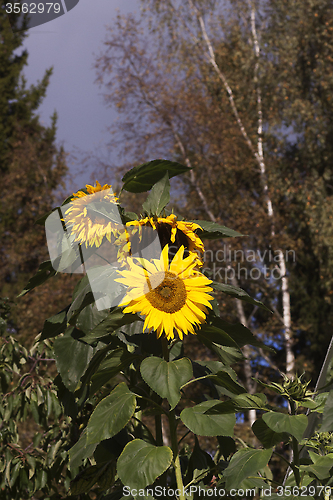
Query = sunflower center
x=169 y=295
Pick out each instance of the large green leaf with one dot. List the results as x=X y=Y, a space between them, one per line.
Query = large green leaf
x=266 y=435
x=85 y=480
x=292 y=424
x=72 y=358
x=101 y=280
x=245 y=463
x=141 y=463
x=82 y=296
x=217 y=335
x=197 y=420
x=159 y=197
x=143 y=177
x=241 y=402
x=55 y=325
x=111 y=414
x=80 y=451
x=224 y=379
x=45 y=271
x=200 y=463
x=115 y=361
x=166 y=378
x=327 y=424
x=239 y=293
x=322 y=466
x=90 y=317
x=114 y=320
x=212 y=230
x=227 y=354
x=238 y=332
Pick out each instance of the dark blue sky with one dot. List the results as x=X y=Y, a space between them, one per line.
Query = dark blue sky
x=69 y=43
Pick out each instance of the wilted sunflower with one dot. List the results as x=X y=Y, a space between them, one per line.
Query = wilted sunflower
x=90 y=226
x=170 y=230
x=173 y=297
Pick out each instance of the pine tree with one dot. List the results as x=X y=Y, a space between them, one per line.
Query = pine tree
x=32 y=167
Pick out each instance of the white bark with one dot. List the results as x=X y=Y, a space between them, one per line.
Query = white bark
x=258 y=154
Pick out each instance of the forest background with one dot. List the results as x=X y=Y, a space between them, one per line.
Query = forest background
x=240 y=92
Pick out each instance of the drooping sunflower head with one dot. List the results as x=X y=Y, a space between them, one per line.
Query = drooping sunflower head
x=171 y=232
x=94 y=215
x=173 y=297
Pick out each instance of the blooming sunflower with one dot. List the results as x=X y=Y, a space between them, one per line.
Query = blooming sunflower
x=90 y=226
x=170 y=230
x=173 y=297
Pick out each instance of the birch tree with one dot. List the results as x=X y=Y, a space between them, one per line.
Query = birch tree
x=210 y=89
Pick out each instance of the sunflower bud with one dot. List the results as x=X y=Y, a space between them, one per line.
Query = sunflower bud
x=295 y=388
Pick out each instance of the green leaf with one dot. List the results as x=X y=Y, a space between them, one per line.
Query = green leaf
x=212 y=230
x=90 y=317
x=55 y=325
x=159 y=197
x=114 y=320
x=86 y=479
x=166 y=378
x=241 y=402
x=218 y=336
x=266 y=435
x=238 y=332
x=200 y=463
x=80 y=451
x=227 y=446
x=224 y=379
x=321 y=468
x=116 y=361
x=245 y=463
x=141 y=463
x=292 y=424
x=327 y=423
x=143 y=177
x=45 y=271
x=197 y=420
x=82 y=296
x=111 y=414
x=239 y=293
x=72 y=358
x=228 y=355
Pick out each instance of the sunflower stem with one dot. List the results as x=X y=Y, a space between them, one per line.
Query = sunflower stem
x=165 y=349
x=174 y=445
x=158 y=429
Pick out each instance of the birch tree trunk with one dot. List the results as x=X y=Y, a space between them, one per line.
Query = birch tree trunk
x=258 y=154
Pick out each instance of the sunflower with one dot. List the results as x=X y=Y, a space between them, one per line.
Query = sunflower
x=170 y=230
x=91 y=226
x=173 y=297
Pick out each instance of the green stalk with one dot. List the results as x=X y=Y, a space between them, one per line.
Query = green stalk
x=296 y=462
x=174 y=445
x=173 y=432
x=158 y=429
x=165 y=349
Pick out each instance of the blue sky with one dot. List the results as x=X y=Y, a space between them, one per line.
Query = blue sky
x=70 y=44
